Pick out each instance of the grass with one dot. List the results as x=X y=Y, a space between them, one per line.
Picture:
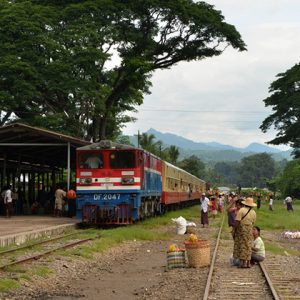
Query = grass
x=7 y=284
x=278 y=221
x=279 y=218
x=142 y=231
x=41 y=271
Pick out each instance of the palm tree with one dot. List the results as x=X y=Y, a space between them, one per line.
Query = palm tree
x=173 y=153
x=149 y=143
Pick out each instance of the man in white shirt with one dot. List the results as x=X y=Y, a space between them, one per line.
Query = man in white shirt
x=204 y=210
x=8 y=201
x=288 y=201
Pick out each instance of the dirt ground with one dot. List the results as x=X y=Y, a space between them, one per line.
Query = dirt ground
x=132 y=271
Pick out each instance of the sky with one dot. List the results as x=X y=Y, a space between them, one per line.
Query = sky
x=220 y=99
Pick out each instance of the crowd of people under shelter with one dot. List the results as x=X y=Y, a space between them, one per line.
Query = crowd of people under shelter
x=57 y=202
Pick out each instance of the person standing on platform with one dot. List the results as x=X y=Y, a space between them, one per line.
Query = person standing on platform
x=8 y=201
x=71 y=197
x=204 y=210
x=60 y=194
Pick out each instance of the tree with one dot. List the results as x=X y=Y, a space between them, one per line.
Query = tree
x=56 y=57
x=255 y=169
x=227 y=171
x=172 y=154
x=285 y=103
x=149 y=143
x=289 y=182
x=193 y=165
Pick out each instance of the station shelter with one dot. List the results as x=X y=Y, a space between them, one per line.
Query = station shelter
x=33 y=161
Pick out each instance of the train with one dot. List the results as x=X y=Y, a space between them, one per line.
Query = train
x=118 y=184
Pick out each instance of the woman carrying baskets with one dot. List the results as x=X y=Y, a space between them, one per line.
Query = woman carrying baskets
x=244 y=221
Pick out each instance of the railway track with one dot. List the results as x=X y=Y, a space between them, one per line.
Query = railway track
x=264 y=281
x=33 y=251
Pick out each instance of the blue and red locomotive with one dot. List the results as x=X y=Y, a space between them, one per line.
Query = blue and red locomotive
x=120 y=184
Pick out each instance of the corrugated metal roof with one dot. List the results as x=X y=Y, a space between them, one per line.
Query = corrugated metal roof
x=37 y=146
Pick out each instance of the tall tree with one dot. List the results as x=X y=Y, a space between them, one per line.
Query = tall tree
x=285 y=103
x=57 y=57
x=149 y=143
x=255 y=169
x=227 y=172
x=172 y=154
x=289 y=182
x=193 y=165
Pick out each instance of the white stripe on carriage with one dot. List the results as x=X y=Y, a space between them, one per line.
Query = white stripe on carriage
x=102 y=188
x=109 y=179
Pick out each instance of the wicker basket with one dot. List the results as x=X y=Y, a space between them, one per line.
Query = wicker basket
x=190 y=229
x=198 y=253
x=176 y=259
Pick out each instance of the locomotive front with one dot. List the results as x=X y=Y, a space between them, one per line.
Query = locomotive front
x=108 y=181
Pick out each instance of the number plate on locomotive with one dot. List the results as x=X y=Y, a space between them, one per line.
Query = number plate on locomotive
x=107 y=196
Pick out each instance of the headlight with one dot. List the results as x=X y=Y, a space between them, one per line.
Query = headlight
x=127 y=180
x=85 y=180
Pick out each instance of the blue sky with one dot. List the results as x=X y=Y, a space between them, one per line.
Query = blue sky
x=220 y=98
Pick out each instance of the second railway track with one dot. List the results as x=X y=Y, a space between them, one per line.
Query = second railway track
x=33 y=252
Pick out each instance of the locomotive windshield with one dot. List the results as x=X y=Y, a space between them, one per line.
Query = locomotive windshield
x=122 y=160
x=90 y=160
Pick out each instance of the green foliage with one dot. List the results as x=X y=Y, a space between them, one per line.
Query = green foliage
x=7 y=284
x=227 y=171
x=279 y=218
x=56 y=57
x=123 y=139
x=289 y=182
x=285 y=103
x=255 y=169
x=193 y=165
x=42 y=271
x=172 y=154
x=149 y=143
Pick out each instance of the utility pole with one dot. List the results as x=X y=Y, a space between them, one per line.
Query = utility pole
x=138 y=139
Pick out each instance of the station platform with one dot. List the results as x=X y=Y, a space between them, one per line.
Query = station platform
x=19 y=229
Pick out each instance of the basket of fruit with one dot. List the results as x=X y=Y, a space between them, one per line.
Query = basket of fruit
x=198 y=251
x=176 y=257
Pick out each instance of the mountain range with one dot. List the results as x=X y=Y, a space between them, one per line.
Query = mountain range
x=214 y=151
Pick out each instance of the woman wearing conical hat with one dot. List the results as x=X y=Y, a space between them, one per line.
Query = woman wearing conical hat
x=245 y=219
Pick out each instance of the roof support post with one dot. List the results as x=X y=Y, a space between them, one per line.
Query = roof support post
x=69 y=168
x=4 y=170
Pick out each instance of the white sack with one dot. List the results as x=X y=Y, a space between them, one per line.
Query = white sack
x=180 y=224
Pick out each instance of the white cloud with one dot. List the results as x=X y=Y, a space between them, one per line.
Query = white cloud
x=221 y=98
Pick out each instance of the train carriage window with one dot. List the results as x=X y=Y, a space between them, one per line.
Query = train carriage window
x=90 y=160
x=122 y=160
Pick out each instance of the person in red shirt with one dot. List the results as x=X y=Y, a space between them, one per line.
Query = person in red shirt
x=213 y=206
x=71 y=197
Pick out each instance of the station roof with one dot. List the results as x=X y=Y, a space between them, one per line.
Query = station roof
x=36 y=146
